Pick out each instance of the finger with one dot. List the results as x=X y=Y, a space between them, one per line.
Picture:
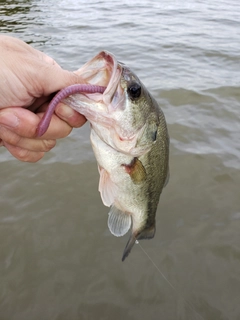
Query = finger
x=23 y=154
x=46 y=58
x=66 y=113
x=52 y=78
x=57 y=129
x=72 y=117
x=14 y=139
x=21 y=121
x=24 y=123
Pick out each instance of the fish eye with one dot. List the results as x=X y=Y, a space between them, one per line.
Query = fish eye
x=134 y=90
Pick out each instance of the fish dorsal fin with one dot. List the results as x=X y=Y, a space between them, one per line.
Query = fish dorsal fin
x=119 y=222
x=106 y=188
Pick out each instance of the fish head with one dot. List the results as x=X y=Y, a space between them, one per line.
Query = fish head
x=135 y=113
x=125 y=116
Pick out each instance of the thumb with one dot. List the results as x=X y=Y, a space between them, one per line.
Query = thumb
x=54 y=78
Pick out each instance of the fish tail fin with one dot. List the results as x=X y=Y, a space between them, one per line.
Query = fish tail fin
x=147 y=233
x=129 y=246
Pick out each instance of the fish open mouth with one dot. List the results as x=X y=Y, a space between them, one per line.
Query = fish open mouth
x=103 y=70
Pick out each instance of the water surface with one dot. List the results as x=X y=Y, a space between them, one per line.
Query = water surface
x=58 y=259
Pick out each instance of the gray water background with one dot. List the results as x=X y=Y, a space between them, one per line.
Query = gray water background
x=57 y=258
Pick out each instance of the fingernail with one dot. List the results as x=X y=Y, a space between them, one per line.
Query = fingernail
x=8 y=119
x=65 y=111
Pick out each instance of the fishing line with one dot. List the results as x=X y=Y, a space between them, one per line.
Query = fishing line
x=165 y=278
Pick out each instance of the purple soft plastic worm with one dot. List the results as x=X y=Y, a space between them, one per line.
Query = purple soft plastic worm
x=62 y=94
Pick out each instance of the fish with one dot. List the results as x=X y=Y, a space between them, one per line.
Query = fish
x=130 y=140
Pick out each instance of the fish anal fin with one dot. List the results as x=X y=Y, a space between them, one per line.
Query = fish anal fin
x=107 y=188
x=136 y=171
x=119 y=222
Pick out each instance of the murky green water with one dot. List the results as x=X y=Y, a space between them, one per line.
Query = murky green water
x=57 y=257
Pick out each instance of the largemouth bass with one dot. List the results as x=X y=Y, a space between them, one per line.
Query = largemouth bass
x=130 y=141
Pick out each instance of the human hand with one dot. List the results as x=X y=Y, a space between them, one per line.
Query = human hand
x=28 y=77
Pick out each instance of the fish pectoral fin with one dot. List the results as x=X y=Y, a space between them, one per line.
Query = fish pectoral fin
x=136 y=171
x=107 y=188
x=119 y=222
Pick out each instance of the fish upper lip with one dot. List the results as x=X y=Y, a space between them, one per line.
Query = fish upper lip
x=116 y=73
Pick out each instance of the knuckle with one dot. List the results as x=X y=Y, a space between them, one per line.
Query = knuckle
x=22 y=154
x=69 y=131
x=9 y=136
x=14 y=139
x=64 y=133
x=48 y=144
x=37 y=157
x=28 y=156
